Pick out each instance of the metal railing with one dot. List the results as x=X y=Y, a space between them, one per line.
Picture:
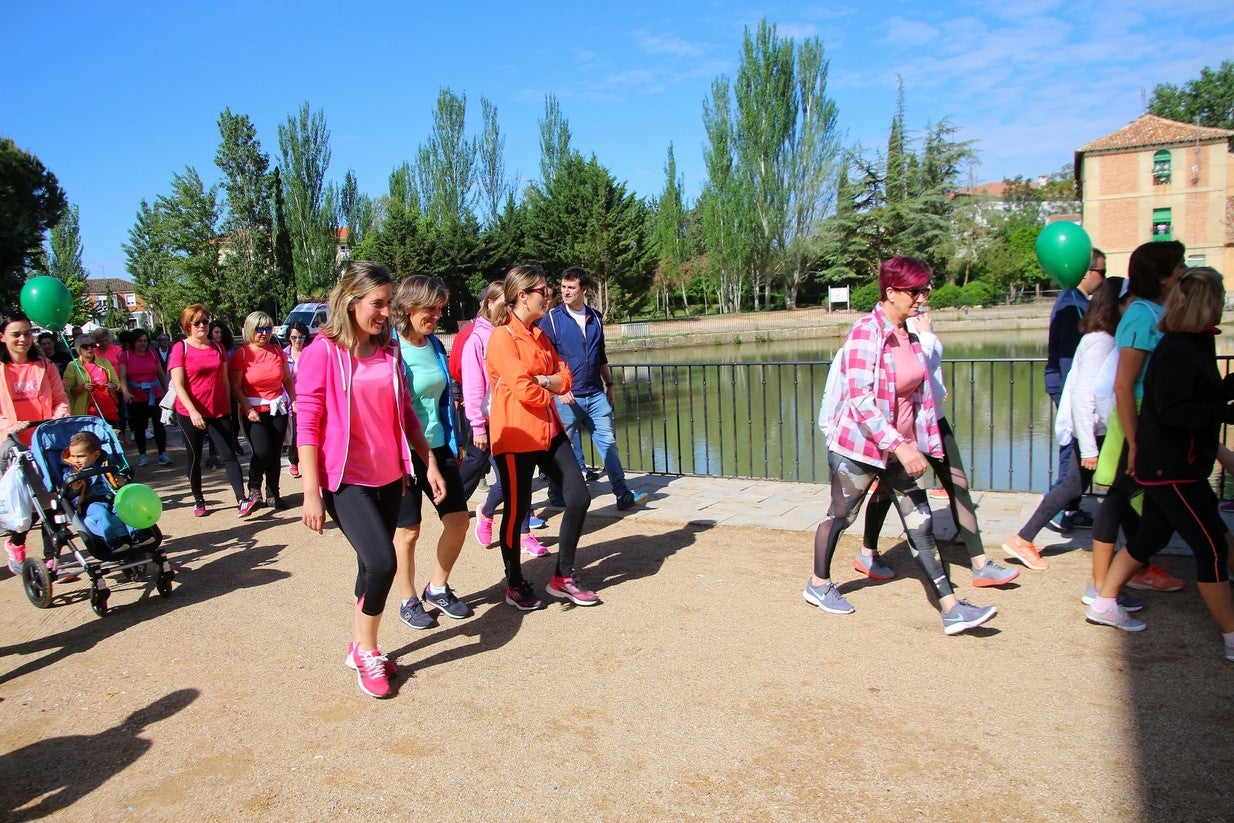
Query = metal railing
x=759 y=420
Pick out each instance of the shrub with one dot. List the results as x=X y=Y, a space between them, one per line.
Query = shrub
x=977 y=293
x=946 y=297
x=864 y=297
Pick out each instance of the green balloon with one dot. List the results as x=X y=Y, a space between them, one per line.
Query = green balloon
x=1064 y=251
x=46 y=301
x=138 y=506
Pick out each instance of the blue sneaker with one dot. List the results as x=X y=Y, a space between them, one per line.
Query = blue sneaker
x=964 y=616
x=412 y=613
x=536 y=522
x=828 y=598
x=631 y=499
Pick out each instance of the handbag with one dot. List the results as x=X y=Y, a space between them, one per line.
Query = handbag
x=16 y=501
x=105 y=404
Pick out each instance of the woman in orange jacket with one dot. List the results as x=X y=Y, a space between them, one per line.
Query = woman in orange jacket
x=525 y=432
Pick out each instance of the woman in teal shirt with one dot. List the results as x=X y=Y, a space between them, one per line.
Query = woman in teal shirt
x=418 y=303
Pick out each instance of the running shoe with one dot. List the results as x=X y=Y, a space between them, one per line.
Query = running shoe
x=391 y=668
x=246 y=507
x=142 y=461
x=532 y=546
x=1116 y=617
x=199 y=508
x=1156 y=579
x=872 y=566
x=631 y=499
x=293 y=470
x=413 y=614
x=164 y=459
x=992 y=574
x=534 y=522
x=484 y=528
x=571 y=589
x=964 y=616
x=446 y=603
x=371 y=671
x=1129 y=602
x=591 y=475
x=522 y=597
x=827 y=597
x=1229 y=652
x=1026 y=552
x=17 y=555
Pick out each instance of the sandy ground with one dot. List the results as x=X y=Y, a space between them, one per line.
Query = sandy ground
x=703 y=688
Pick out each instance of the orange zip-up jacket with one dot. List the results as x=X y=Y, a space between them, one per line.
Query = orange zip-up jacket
x=522 y=415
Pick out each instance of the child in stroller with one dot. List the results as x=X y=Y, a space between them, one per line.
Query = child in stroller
x=92 y=496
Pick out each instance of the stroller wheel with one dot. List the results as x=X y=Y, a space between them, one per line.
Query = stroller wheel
x=36 y=580
x=98 y=600
x=163 y=583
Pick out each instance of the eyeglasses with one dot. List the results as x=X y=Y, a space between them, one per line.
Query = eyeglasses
x=1099 y=271
x=85 y=345
x=294 y=337
x=202 y=322
x=546 y=291
x=263 y=329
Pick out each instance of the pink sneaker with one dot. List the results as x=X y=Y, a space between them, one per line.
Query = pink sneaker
x=533 y=547
x=199 y=509
x=484 y=528
x=349 y=662
x=246 y=507
x=17 y=555
x=370 y=670
x=293 y=470
x=571 y=589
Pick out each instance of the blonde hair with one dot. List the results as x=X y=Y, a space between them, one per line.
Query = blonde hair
x=360 y=278
x=1195 y=303
x=253 y=321
x=494 y=291
x=419 y=291
x=518 y=279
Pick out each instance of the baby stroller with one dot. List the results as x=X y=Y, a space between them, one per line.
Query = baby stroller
x=43 y=470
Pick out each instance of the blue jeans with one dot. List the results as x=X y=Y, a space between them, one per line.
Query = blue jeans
x=102 y=522
x=594 y=414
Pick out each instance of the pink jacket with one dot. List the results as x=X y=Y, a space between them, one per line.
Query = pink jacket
x=323 y=406
x=475 y=378
x=54 y=401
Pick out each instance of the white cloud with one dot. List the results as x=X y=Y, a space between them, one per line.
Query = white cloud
x=666 y=44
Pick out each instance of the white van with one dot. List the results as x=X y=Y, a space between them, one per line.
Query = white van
x=312 y=315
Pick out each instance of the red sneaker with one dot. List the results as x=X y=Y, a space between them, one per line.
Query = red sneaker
x=349 y=662
x=1156 y=579
x=572 y=590
x=370 y=670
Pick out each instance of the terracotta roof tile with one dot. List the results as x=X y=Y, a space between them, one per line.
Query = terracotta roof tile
x=1151 y=130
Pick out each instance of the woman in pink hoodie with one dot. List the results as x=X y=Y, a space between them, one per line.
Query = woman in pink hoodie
x=353 y=414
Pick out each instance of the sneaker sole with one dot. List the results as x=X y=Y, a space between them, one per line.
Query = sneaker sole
x=530 y=553
x=1035 y=565
x=956 y=628
x=870 y=572
x=1088 y=601
x=814 y=601
x=986 y=582
x=411 y=625
x=523 y=607
x=551 y=592
x=1089 y=615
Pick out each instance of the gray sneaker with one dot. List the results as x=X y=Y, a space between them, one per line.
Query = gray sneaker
x=992 y=574
x=964 y=616
x=1129 y=602
x=412 y=613
x=1116 y=617
x=827 y=597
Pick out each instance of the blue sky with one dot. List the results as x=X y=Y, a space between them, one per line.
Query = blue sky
x=116 y=97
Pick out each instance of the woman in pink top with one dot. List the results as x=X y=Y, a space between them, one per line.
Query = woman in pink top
x=143 y=383
x=353 y=415
x=198 y=368
x=262 y=389
x=30 y=391
x=111 y=351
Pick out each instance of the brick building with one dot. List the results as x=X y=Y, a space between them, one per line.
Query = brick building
x=1159 y=179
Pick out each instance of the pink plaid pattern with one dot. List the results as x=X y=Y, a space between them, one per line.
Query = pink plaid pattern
x=864 y=429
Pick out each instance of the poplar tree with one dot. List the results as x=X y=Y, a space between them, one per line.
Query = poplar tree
x=670 y=235
x=554 y=139
x=494 y=185
x=304 y=146
x=248 y=248
x=64 y=262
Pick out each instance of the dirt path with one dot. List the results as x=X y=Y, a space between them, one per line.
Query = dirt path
x=704 y=687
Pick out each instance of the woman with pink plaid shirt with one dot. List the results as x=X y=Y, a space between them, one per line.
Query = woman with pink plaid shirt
x=881 y=426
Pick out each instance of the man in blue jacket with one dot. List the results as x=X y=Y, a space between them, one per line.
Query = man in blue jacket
x=577 y=332
x=1064 y=338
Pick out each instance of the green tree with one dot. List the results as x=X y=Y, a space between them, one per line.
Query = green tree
x=1207 y=100
x=248 y=268
x=727 y=215
x=284 y=251
x=446 y=168
x=669 y=236
x=304 y=145
x=31 y=202
x=64 y=261
x=495 y=187
x=554 y=139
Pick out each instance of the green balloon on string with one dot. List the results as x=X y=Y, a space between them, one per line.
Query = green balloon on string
x=47 y=302
x=138 y=505
x=1065 y=252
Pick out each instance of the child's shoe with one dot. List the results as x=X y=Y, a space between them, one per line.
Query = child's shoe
x=17 y=556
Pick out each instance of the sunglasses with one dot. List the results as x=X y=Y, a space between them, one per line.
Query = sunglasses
x=295 y=337
x=916 y=293
x=202 y=322
x=263 y=329
x=86 y=345
x=546 y=291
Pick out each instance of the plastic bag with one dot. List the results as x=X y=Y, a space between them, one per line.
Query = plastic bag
x=16 y=502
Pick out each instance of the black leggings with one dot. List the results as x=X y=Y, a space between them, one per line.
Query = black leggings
x=293 y=452
x=1191 y=510
x=139 y=415
x=219 y=431
x=367 y=515
x=266 y=439
x=516 y=470
x=1115 y=509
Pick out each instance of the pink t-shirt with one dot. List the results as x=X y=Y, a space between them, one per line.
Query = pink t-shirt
x=262 y=370
x=206 y=374
x=112 y=356
x=372 y=454
x=909 y=376
x=24 y=386
x=142 y=368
